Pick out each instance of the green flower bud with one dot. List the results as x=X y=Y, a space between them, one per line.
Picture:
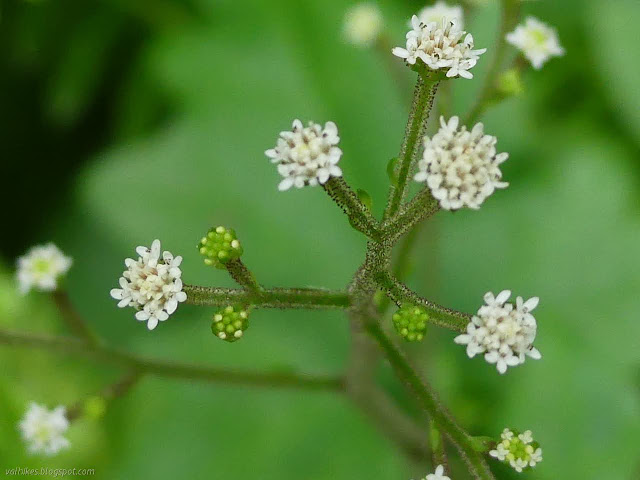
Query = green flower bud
x=220 y=246
x=230 y=323
x=94 y=407
x=410 y=322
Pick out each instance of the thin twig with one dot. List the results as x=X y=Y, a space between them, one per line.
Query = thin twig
x=167 y=369
x=72 y=318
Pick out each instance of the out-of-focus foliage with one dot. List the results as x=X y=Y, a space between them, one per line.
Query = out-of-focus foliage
x=208 y=89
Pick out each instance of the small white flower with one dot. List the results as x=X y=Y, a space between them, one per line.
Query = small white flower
x=307 y=156
x=460 y=167
x=502 y=331
x=41 y=268
x=439 y=11
x=438 y=475
x=440 y=46
x=151 y=284
x=518 y=450
x=537 y=41
x=363 y=24
x=43 y=429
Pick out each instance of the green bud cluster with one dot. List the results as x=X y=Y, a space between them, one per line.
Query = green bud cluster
x=230 y=323
x=220 y=246
x=410 y=322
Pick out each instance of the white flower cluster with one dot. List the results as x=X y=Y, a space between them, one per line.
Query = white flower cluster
x=151 y=284
x=460 y=167
x=43 y=430
x=502 y=331
x=41 y=268
x=362 y=24
x=307 y=156
x=537 y=41
x=518 y=450
x=439 y=11
x=440 y=46
x=438 y=475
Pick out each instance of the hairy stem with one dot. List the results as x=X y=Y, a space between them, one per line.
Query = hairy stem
x=510 y=13
x=428 y=400
x=438 y=315
x=162 y=368
x=423 y=98
x=72 y=318
x=242 y=275
x=438 y=453
x=421 y=207
x=359 y=215
x=291 y=298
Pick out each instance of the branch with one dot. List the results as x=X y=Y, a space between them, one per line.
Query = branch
x=72 y=318
x=167 y=369
x=421 y=207
x=428 y=400
x=359 y=215
x=423 y=97
x=509 y=19
x=242 y=275
x=292 y=298
x=438 y=315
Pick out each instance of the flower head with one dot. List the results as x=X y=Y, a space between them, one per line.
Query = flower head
x=307 y=155
x=438 y=475
x=362 y=24
x=502 y=331
x=410 y=322
x=518 y=450
x=439 y=11
x=41 y=267
x=43 y=429
x=220 y=246
x=151 y=284
x=537 y=41
x=230 y=323
x=461 y=167
x=440 y=46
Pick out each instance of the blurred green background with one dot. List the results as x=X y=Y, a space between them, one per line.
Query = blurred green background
x=124 y=121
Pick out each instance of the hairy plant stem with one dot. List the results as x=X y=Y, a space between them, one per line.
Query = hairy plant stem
x=438 y=453
x=421 y=207
x=428 y=400
x=359 y=215
x=290 y=298
x=510 y=15
x=242 y=275
x=168 y=369
x=72 y=318
x=423 y=97
x=438 y=315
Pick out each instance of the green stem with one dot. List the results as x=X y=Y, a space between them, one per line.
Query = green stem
x=438 y=453
x=359 y=215
x=421 y=207
x=292 y=298
x=438 y=315
x=510 y=13
x=427 y=399
x=72 y=318
x=162 y=368
x=109 y=393
x=242 y=275
x=423 y=98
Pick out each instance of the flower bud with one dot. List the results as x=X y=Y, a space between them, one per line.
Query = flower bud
x=509 y=83
x=220 y=246
x=95 y=407
x=230 y=323
x=410 y=322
